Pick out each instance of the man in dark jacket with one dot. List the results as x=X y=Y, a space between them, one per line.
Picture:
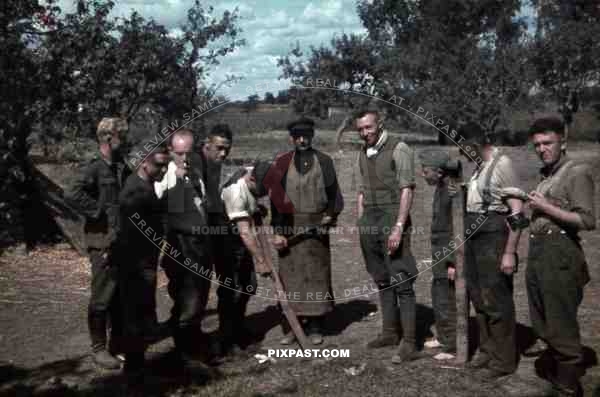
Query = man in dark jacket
x=182 y=189
x=96 y=193
x=136 y=251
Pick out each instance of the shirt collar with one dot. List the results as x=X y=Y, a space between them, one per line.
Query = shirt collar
x=549 y=170
x=372 y=151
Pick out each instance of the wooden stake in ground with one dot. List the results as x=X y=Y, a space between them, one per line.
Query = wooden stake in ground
x=462 y=295
x=280 y=289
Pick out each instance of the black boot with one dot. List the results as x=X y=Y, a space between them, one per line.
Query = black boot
x=97 y=329
x=408 y=313
x=389 y=319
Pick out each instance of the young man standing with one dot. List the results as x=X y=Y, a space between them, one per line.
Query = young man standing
x=492 y=231
x=562 y=205
x=96 y=193
x=136 y=254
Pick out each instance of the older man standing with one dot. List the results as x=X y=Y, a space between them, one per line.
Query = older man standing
x=387 y=180
x=184 y=193
x=562 y=205
x=304 y=194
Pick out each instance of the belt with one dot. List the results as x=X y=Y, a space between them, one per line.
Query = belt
x=548 y=232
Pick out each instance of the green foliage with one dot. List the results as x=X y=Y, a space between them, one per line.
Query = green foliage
x=63 y=72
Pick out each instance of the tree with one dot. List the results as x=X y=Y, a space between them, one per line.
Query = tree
x=283 y=97
x=567 y=52
x=65 y=72
x=463 y=59
x=269 y=98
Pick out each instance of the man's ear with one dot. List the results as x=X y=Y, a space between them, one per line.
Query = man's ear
x=563 y=144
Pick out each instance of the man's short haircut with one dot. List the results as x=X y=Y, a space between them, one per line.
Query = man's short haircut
x=182 y=133
x=363 y=112
x=547 y=124
x=221 y=130
x=473 y=133
x=159 y=149
x=108 y=126
x=259 y=172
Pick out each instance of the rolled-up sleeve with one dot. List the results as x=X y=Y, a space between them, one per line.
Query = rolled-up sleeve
x=404 y=158
x=582 y=195
x=235 y=202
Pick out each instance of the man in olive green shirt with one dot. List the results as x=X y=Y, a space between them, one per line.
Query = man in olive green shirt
x=562 y=205
x=387 y=180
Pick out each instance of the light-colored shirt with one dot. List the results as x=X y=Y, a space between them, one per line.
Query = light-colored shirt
x=239 y=202
x=503 y=176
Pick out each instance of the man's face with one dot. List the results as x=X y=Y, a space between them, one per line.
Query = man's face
x=156 y=165
x=369 y=129
x=548 y=146
x=217 y=149
x=301 y=142
x=116 y=140
x=431 y=175
x=181 y=148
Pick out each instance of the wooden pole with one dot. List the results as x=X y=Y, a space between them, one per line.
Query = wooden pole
x=462 y=296
x=280 y=292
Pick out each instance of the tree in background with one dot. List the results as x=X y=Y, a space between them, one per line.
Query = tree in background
x=567 y=51
x=464 y=60
x=63 y=72
x=269 y=98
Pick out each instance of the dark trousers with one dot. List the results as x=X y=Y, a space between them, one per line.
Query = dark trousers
x=394 y=275
x=555 y=276
x=491 y=291
x=237 y=283
x=104 y=305
x=137 y=287
x=443 y=300
x=188 y=289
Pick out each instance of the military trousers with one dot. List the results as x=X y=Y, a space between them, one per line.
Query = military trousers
x=491 y=290
x=104 y=306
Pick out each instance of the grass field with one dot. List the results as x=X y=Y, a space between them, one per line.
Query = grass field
x=44 y=295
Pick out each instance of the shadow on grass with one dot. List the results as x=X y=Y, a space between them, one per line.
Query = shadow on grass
x=163 y=374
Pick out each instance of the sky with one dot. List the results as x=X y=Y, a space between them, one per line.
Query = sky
x=270 y=27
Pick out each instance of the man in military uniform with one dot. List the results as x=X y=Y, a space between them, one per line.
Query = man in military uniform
x=183 y=191
x=304 y=193
x=96 y=193
x=436 y=166
x=136 y=251
x=490 y=252
x=562 y=205
x=387 y=180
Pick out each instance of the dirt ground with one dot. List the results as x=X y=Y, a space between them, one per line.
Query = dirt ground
x=44 y=341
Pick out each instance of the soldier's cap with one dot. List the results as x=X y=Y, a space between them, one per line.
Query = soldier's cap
x=302 y=127
x=473 y=134
x=547 y=123
x=109 y=125
x=434 y=158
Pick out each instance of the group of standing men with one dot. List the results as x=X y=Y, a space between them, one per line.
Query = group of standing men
x=183 y=194
x=561 y=206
